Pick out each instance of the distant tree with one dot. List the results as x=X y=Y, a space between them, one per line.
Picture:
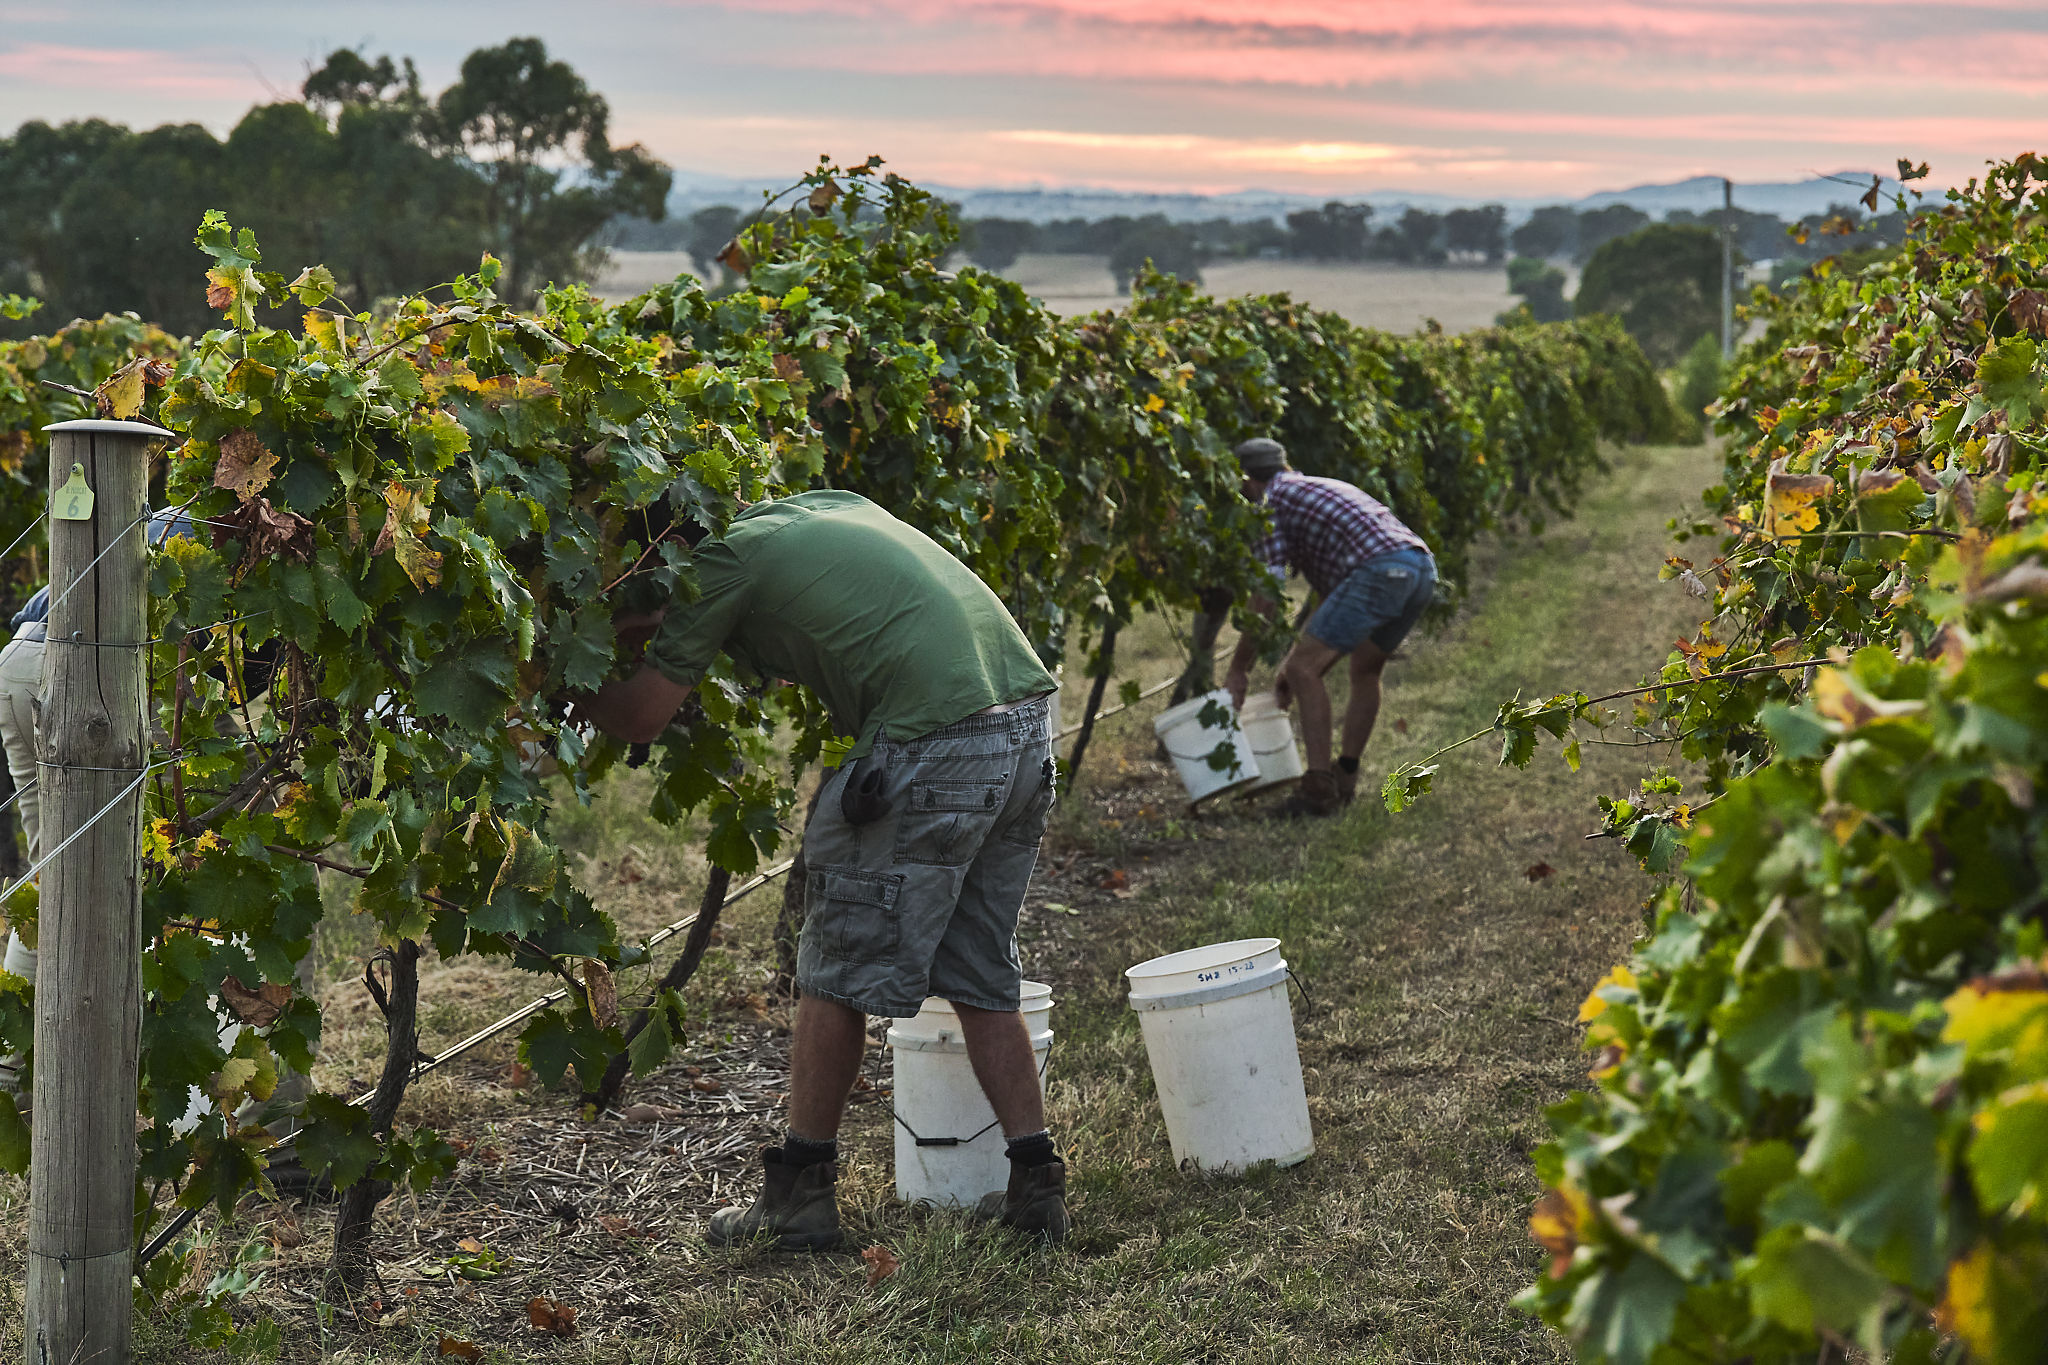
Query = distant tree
x=1334 y=232
x=1541 y=286
x=996 y=243
x=120 y=231
x=1480 y=232
x=1597 y=227
x=1170 y=247
x=1662 y=281
x=1550 y=233
x=1759 y=236
x=540 y=136
x=710 y=230
x=1417 y=239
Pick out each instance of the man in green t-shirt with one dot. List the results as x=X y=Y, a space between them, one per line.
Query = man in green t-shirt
x=922 y=842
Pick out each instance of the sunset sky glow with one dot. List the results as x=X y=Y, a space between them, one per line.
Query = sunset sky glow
x=1467 y=97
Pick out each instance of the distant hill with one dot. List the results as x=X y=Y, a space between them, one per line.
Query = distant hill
x=1787 y=199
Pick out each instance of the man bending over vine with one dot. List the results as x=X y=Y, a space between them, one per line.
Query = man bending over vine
x=1375 y=578
x=923 y=839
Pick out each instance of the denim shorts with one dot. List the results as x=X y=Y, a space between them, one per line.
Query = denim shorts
x=1380 y=600
x=924 y=900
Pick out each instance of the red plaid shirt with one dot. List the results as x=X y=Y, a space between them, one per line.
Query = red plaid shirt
x=1325 y=528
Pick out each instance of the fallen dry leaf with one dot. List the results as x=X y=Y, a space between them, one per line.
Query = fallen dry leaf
x=398 y=1317
x=461 y=1350
x=705 y=1085
x=1115 y=880
x=552 y=1316
x=1401 y=725
x=621 y=1227
x=519 y=1075
x=472 y=1246
x=882 y=1263
x=1538 y=871
x=649 y=1113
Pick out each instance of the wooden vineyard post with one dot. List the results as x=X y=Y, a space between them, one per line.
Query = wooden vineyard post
x=88 y=999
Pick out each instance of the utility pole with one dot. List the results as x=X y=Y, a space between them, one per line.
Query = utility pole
x=1727 y=268
x=88 y=1002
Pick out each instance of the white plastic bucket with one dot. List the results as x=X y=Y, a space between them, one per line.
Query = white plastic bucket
x=1269 y=730
x=1189 y=743
x=949 y=1147
x=1220 y=1033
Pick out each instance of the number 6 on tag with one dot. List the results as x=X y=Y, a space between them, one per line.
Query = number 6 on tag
x=74 y=500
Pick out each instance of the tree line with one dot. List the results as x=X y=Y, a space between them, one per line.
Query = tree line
x=393 y=187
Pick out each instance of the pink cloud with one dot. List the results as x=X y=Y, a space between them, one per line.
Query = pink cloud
x=66 y=66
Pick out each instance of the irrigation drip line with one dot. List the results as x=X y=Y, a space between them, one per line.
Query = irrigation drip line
x=288 y=1151
x=534 y=1007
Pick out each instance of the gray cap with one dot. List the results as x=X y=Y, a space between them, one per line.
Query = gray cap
x=1261 y=457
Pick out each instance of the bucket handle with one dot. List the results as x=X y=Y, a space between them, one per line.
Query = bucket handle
x=921 y=1141
x=1308 y=1004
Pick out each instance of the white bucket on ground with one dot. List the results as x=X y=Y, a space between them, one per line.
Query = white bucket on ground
x=937 y=1098
x=1189 y=743
x=1269 y=730
x=1220 y=1033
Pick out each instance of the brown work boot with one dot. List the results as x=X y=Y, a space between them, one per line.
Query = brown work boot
x=1316 y=794
x=798 y=1209
x=1347 y=786
x=1035 y=1204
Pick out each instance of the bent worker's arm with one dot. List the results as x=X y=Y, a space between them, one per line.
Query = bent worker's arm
x=685 y=638
x=637 y=708
x=1237 y=678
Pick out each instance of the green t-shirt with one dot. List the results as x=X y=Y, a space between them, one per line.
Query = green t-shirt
x=829 y=590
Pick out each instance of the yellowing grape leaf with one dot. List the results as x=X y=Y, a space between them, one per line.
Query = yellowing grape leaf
x=1991 y=1020
x=120 y=395
x=1993 y=1300
x=1839 y=697
x=246 y=464
x=1554 y=1223
x=233 y=1075
x=408 y=501
x=1595 y=1004
x=1790 y=500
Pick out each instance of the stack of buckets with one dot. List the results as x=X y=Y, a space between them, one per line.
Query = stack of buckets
x=1261 y=739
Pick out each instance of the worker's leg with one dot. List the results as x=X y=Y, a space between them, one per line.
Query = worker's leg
x=824 y=1061
x=1366 y=663
x=976 y=967
x=1301 y=681
x=999 y=1047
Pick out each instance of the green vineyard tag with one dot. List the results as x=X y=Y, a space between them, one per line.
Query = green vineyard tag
x=74 y=500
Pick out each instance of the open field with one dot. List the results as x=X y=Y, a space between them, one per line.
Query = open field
x=1395 y=298
x=1444 y=978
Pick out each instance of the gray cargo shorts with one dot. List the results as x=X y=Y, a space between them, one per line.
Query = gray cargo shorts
x=924 y=901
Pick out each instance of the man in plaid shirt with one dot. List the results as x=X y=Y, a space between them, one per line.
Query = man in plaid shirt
x=1375 y=578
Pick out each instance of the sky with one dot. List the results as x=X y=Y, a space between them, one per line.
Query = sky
x=1464 y=97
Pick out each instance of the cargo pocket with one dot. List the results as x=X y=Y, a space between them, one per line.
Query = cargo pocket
x=944 y=823
x=853 y=913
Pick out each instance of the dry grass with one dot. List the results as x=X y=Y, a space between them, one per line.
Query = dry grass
x=1445 y=982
